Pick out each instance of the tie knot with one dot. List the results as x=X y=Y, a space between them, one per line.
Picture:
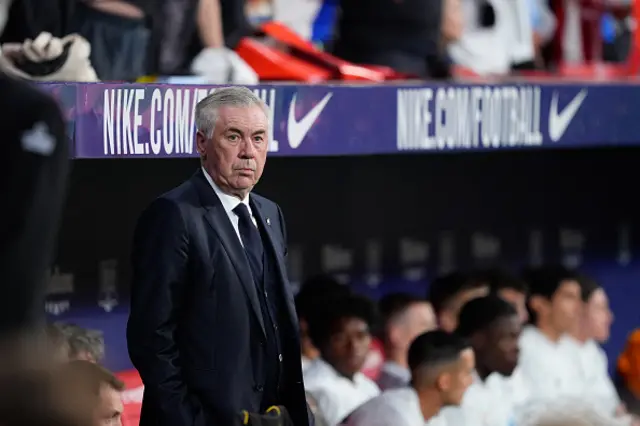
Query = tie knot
x=242 y=211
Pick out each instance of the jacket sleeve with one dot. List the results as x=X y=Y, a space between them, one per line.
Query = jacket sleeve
x=159 y=262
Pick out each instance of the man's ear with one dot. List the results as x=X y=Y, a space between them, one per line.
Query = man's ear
x=448 y=321
x=537 y=303
x=443 y=382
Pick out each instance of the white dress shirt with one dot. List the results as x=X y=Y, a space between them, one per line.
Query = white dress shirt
x=512 y=391
x=336 y=395
x=229 y=202
x=395 y=407
x=592 y=364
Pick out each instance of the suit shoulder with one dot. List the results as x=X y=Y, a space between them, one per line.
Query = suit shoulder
x=265 y=202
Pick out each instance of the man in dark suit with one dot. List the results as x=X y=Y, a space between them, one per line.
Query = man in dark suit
x=212 y=328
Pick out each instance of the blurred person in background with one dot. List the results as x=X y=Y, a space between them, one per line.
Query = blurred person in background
x=442 y=367
x=588 y=355
x=497 y=35
x=58 y=342
x=33 y=181
x=546 y=363
x=119 y=32
x=449 y=293
x=199 y=37
x=404 y=317
x=493 y=328
x=84 y=344
x=342 y=333
x=314 y=293
x=212 y=327
x=94 y=389
x=514 y=290
x=508 y=287
x=408 y=36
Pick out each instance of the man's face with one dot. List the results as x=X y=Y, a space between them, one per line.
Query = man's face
x=418 y=318
x=461 y=377
x=518 y=300
x=565 y=307
x=449 y=316
x=598 y=316
x=110 y=408
x=237 y=152
x=348 y=346
x=500 y=350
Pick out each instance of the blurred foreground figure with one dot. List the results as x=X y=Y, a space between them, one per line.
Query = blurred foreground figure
x=33 y=179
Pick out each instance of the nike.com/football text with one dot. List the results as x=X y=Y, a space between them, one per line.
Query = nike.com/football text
x=162 y=125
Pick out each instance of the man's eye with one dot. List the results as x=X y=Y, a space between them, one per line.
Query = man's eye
x=233 y=138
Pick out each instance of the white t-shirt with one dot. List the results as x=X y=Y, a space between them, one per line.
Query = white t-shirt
x=482 y=405
x=547 y=367
x=395 y=407
x=336 y=395
x=592 y=364
x=512 y=390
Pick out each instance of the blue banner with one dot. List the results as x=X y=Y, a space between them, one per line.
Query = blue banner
x=158 y=120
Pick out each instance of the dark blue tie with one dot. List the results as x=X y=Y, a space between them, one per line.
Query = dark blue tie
x=251 y=241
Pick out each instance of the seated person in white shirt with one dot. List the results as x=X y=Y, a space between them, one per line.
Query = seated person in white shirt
x=313 y=292
x=493 y=327
x=403 y=318
x=449 y=293
x=341 y=330
x=514 y=290
x=590 y=358
x=442 y=366
x=546 y=364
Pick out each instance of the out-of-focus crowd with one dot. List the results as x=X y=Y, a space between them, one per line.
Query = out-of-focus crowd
x=124 y=40
x=486 y=348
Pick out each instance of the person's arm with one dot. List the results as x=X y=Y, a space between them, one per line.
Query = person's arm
x=34 y=184
x=159 y=260
x=209 y=21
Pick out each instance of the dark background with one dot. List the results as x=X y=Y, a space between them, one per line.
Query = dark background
x=459 y=210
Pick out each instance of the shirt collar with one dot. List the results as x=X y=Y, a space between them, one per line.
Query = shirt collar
x=229 y=202
x=397 y=370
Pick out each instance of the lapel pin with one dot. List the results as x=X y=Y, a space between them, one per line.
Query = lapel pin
x=268 y=221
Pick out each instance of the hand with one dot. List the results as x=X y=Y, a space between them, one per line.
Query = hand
x=221 y=65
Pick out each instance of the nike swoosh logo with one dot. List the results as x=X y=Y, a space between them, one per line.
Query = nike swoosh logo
x=297 y=130
x=559 y=121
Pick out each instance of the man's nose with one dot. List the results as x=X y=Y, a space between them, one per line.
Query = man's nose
x=247 y=149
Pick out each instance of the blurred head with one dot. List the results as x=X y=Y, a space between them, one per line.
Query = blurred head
x=443 y=362
x=596 y=316
x=555 y=300
x=232 y=138
x=95 y=390
x=449 y=293
x=508 y=287
x=4 y=13
x=341 y=330
x=313 y=292
x=404 y=318
x=84 y=344
x=493 y=328
x=58 y=343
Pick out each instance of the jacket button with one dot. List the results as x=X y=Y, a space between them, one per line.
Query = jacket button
x=258 y=388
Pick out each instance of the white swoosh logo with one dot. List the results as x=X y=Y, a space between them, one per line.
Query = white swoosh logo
x=559 y=121
x=297 y=130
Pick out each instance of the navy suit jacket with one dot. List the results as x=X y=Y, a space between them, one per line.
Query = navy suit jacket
x=195 y=331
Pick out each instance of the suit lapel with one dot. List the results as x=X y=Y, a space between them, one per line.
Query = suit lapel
x=219 y=221
x=280 y=264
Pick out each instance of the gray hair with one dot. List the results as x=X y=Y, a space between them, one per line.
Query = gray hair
x=235 y=96
x=82 y=340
